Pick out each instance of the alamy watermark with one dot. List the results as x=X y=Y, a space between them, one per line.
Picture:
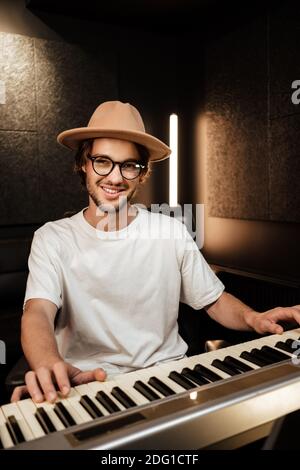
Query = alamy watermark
x=191 y=217
x=296 y=94
x=296 y=355
x=2 y=352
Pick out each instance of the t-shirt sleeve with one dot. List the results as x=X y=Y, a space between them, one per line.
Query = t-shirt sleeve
x=43 y=279
x=199 y=284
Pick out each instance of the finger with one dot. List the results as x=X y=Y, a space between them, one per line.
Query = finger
x=33 y=387
x=99 y=374
x=18 y=393
x=284 y=313
x=45 y=380
x=265 y=325
x=61 y=376
x=296 y=314
x=89 y=376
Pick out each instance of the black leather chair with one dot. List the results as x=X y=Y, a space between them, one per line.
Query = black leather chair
x=13 y=276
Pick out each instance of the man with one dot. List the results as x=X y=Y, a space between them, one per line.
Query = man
x=116 y=272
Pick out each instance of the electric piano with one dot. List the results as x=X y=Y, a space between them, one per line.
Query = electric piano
x=220 y=399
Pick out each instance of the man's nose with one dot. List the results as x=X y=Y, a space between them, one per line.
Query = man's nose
x=115 y=176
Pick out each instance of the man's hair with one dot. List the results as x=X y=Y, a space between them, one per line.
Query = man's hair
x=85 y=148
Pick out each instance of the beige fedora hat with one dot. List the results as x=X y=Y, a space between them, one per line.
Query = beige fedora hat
x=116 y=120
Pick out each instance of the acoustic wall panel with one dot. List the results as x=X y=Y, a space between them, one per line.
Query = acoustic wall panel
x=19 y=176
x=237 y=124
x=253 y=127
x=17 y=72
x=50 y=86
x=60 y=189
x=236 y=171
x=285 y=169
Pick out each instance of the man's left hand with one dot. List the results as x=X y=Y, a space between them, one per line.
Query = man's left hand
x=267 y=322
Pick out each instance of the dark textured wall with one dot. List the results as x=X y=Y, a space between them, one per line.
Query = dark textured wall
x=56 y=71
x=236 y=109
x=241 y=160
x=245 y=132
x=50 y=86
x=253 y=127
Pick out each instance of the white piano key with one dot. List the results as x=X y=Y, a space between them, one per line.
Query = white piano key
x=126 y=383
x=73 y=399
x=161 y=372
x=132 y=377
x=235 y=351
x=206 y=362
x=11 y=409
x=110 y=385
x=49 y=408
x=71 y=405
x=4 y=434
x=28 y=409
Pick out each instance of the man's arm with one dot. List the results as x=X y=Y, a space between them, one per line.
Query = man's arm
x=37 y=333
x=232 y=313
x=49 y=370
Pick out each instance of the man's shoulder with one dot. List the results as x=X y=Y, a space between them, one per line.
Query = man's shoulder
x=56 y=228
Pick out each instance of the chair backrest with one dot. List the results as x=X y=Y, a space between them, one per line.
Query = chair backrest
x=13 y=275
x=13 y=271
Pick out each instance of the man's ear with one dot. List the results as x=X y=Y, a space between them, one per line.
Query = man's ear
x=143 y=177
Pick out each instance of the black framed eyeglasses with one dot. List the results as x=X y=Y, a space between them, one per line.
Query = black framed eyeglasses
x=129 y=169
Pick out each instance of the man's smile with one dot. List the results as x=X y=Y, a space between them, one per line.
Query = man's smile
x=112 y=192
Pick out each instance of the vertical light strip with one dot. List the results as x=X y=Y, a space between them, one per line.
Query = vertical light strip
x=173 y=163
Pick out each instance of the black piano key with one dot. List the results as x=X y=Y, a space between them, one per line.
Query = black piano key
x=228 y=369
x=280 y=355
x=122 y=397
x=263 y=356
x=285 y=347
x=146 y=391
x=14 y=430
x=181 y=380
x=194 y=376
x=294 y=344
x=252 y=358
x=207 y=373
x=1 y=445
x=272 y=358
x=238 y=364
x=90 y=407
x=44 y=420
x=162 y=388
x=107 y=402
x=63 y=414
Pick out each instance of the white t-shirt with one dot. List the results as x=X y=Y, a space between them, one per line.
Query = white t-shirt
x=119 y=291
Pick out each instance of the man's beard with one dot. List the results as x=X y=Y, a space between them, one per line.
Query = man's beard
x=107 y=207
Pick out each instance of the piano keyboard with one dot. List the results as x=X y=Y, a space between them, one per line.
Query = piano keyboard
x=158 y=397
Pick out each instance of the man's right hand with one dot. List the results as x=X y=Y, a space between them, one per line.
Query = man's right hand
x=40 y=384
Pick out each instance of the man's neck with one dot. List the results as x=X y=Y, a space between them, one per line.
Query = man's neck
x=110 y=222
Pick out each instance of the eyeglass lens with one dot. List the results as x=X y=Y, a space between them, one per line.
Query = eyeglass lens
x=129 y=170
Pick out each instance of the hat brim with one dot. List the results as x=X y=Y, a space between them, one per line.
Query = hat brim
x=157 y=149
